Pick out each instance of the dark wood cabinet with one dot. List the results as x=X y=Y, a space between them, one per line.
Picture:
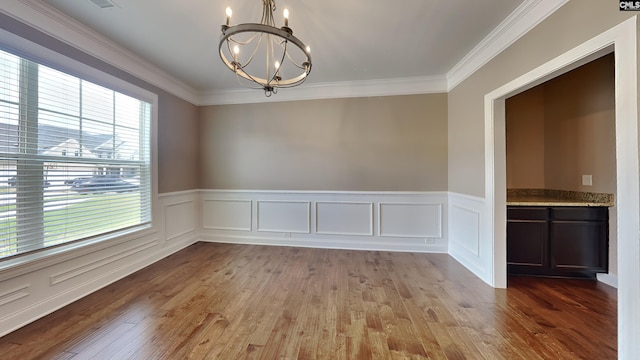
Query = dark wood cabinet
x=557 y=241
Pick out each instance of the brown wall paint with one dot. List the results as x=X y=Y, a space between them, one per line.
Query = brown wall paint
x=525 y=140
x=396 y=143
x=563 y=129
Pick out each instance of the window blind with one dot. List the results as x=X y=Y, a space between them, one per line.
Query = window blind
x=74 y=158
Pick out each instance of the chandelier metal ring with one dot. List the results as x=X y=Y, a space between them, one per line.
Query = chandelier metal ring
x=284 y=34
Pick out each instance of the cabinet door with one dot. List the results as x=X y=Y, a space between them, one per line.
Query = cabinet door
x=579 y=245
x=527 y=243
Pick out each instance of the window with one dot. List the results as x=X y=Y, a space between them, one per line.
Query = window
x=49 y=198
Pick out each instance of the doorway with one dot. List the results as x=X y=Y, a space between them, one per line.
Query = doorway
x=622 y=41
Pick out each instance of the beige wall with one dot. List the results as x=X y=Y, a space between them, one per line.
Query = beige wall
x=563 y=129
x=551 y=38
x=178 y=157
x=394 y=143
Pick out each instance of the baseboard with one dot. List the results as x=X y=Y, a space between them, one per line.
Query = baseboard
x=338 y=244
x=609 y=279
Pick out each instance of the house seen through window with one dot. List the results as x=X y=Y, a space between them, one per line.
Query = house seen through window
x=74 y=158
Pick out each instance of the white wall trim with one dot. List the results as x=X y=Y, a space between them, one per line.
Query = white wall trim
x=15 y=294
x=285 y=218
x=89 y=266
x=369 y=226
x=228 y=202
x=623 y=38
x=299 y=223
x=466 y=235
x=609 y=279
x=436 y=232
x=345 y=89
x=529 y=14
x=55 y=23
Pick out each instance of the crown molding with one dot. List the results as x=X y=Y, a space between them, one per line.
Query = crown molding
x=51 y=21
x=345 y=89
x=45 y=18
x=529 y=14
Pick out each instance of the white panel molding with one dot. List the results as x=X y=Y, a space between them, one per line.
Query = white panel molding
x=55 y=23
x=283 y=216
x=529 y=14
x=345 y=218
x=355 y=231
x=15 y=294
x=13 y=268
x=180 y=218
x=466 y=233
x=469 y=239
x=227 y=214
x=101 y=262
x=412 y=226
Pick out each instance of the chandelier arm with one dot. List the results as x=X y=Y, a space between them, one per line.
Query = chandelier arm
x=255 y=51
x=244 y=42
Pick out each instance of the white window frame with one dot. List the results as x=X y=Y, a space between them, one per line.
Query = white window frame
x=45 y=56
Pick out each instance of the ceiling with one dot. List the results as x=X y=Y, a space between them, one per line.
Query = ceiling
x=351 y=41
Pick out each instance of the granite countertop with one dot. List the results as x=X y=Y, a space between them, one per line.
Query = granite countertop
x=548 y=197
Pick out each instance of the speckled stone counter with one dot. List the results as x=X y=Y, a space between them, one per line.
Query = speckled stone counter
x=549 y=197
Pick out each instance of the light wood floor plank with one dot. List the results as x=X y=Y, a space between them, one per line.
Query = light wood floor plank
x=221 y=301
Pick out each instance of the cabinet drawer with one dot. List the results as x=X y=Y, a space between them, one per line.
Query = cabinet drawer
x=580 y=213
x=527 y=213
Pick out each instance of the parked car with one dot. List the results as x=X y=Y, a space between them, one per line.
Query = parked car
x=13 y=181
x=76 y=180
x=101 y=184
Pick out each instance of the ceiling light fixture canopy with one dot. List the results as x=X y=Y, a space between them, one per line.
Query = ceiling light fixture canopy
x=287 y=61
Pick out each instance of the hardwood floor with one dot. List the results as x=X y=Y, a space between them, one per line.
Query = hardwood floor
x=219 y=301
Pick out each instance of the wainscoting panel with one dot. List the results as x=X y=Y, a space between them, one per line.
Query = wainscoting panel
x=15 y=294
x=466 y=216
x=411 y=221
x=284 y=216
x=344 y=218
x=226 y=214
x=181 y=218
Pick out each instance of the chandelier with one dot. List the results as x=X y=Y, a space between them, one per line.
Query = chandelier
x=264 y=56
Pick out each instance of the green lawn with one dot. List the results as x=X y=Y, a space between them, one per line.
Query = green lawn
x=97 y=214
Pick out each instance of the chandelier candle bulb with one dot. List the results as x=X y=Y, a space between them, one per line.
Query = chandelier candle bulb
x=229 y=13
x=286 y=17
